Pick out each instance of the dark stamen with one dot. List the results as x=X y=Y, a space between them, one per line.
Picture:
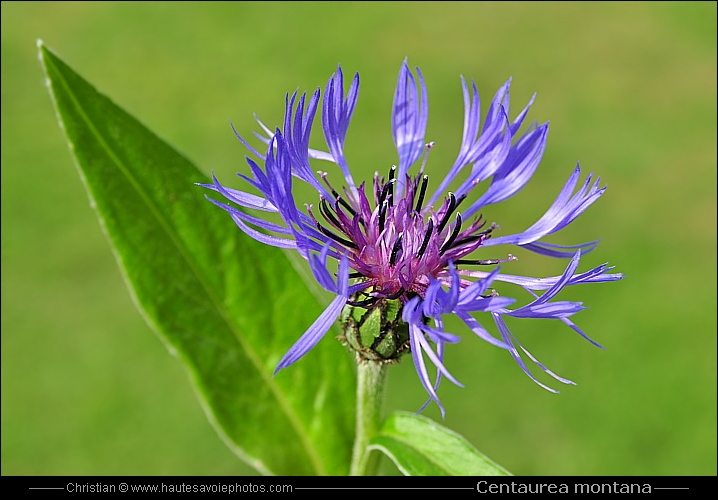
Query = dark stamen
x=392 y=174
x=459 y=200
x=480 y=262
x=356 y=275
x=449 y=209
x=336 y=238
x=382 y=216
x=387 y=193
x=395 y=250
x=484 y=262
x=454 y=234
x=482 y=235
x=343 y=203
x=337 y=196
x=331 y=188
x=324 y=209
x=377 y=190
x=427 y=236
x=422 y=192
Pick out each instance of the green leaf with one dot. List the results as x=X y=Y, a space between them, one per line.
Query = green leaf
x=421 y=447
x=226 y=305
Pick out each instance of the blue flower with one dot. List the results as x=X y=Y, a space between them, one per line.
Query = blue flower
x=393 y=239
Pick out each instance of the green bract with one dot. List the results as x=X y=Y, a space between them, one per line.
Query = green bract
x=378 y=333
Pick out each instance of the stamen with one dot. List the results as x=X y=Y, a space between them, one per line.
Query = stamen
x=428 y=146
x=454 y=234
x=336 y=238
x=377 y=190
x=392 y=172
x=336 y=195
x=310 y=208
x=326 y=181
x=427 y=237
x=395 y=250
x=346 y=205
x=482 y=235
x=387 y=193
x=422 y=192
x=324 y=209
x=449 y=209
x=458 y=202
x=356 y=275
x=382 y=216
x=392 y=181
x=485 y=262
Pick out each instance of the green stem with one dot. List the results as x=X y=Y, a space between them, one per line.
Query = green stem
x=370 y=391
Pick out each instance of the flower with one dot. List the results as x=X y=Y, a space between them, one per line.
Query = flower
x=394 y=240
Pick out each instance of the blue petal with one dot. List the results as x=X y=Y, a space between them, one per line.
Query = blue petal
x=595 y=275
x=490 y=160
x=509 y=339
x=580 y=332
x=541 y=308
x=516 y=171
x=551 y=310
x=562 y=281
x=246 y=144
x=263 y=238
x=420 y=366
x=241 y=198
x=410 y=112
x=561 y=213
x=436 y=300
x=336 y=116
x=472 y=119
x=491 y=150
x=297 y=130
x=318 y=265
x=488 y=304
x=439 y=336
x=467 y=150
x=478 y=288
x=551 y=250
x=314 y=333
x=479 y=330
x=434 y=358
x=269 y=226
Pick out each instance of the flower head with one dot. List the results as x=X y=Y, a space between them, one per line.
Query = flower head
x=396 y=240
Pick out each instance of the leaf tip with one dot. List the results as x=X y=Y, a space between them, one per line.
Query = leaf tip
x=42 y=51
x=41 y=47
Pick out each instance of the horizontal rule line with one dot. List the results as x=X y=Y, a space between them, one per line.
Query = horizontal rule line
x=384 y=488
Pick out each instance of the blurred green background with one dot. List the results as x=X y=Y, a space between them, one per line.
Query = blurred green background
x=630 y=90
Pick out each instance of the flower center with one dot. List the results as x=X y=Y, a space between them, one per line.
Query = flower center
x=399 y=245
